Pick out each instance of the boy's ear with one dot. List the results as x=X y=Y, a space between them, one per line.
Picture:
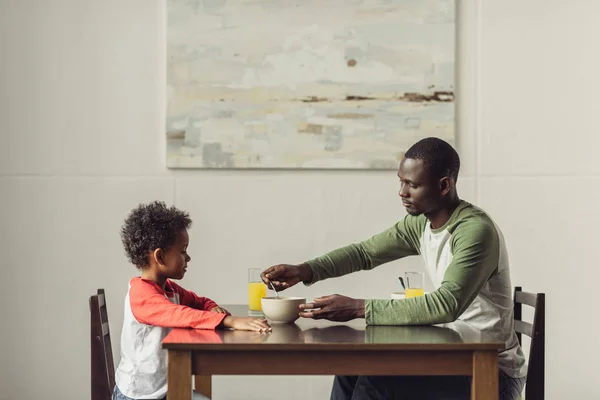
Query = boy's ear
x=158 y=254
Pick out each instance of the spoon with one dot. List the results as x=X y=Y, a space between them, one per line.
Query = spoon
x=402 y=282
x=273 y=287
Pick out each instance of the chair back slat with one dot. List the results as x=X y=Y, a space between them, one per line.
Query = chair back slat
x=534 y=389
x=102 y=364
x=105 y=330
x=524 y=328
x=526 y=298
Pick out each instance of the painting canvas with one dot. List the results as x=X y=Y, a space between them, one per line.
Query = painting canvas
x=307 y=84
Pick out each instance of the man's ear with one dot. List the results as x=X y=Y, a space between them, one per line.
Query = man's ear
x=445 y=185
x=158 y=254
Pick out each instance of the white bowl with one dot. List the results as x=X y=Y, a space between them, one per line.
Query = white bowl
x=282 y=310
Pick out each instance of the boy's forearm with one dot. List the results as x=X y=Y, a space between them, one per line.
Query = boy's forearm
x=226 y=322
x=191 y=299
x=158 y=312
x=206 y=304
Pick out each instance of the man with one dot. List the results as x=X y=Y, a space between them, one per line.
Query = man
x=465 y=257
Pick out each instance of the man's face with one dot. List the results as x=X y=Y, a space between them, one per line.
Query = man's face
x=419 y=193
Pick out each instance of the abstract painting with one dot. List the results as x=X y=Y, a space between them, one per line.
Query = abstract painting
x=307 y=84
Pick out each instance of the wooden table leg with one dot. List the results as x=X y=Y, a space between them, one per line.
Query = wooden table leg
x=485 y=375
x=203 y=385
x=179 y=375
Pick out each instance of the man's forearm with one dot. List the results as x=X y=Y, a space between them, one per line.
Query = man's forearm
x=386 y=246
x=338 y=262
x=436 y=307
x=305 y=272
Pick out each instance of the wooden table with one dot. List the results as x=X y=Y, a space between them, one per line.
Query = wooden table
x=310 y=347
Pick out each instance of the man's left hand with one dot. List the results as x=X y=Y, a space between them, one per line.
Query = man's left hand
x=334 y=308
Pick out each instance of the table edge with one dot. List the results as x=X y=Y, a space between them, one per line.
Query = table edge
x=333 y=347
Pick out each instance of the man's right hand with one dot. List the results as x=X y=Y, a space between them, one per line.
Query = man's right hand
x=284 y=276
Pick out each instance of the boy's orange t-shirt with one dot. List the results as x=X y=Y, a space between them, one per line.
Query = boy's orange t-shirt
x=175 y=307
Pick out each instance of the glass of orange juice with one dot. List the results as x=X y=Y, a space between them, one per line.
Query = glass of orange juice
x=415 y=283
x=256 y=291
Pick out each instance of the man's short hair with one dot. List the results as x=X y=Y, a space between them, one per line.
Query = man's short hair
x=439 y=158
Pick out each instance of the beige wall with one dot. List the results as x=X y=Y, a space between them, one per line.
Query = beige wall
x=82 y=104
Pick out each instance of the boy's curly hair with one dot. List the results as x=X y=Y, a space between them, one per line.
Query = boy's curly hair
x=149 y=227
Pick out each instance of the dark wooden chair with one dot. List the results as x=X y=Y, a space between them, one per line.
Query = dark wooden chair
x=534 y=388
x=103 y=367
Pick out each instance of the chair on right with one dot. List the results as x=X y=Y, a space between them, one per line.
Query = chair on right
x=534 y=388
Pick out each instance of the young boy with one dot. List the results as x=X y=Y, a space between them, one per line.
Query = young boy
x=155 y=238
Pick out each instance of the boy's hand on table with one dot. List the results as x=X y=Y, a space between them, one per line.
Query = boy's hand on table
x=219 y=310
x=246 y=324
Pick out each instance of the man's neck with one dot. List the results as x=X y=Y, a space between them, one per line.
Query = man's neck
x=439 y=217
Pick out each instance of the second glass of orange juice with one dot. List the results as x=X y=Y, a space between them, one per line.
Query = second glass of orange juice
x=415 y=282
x=256 y=291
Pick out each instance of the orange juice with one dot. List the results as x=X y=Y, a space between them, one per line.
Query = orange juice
x=256 y=291
x=414 y=292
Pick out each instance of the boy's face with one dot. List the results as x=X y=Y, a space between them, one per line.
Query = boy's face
x=176 y=258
